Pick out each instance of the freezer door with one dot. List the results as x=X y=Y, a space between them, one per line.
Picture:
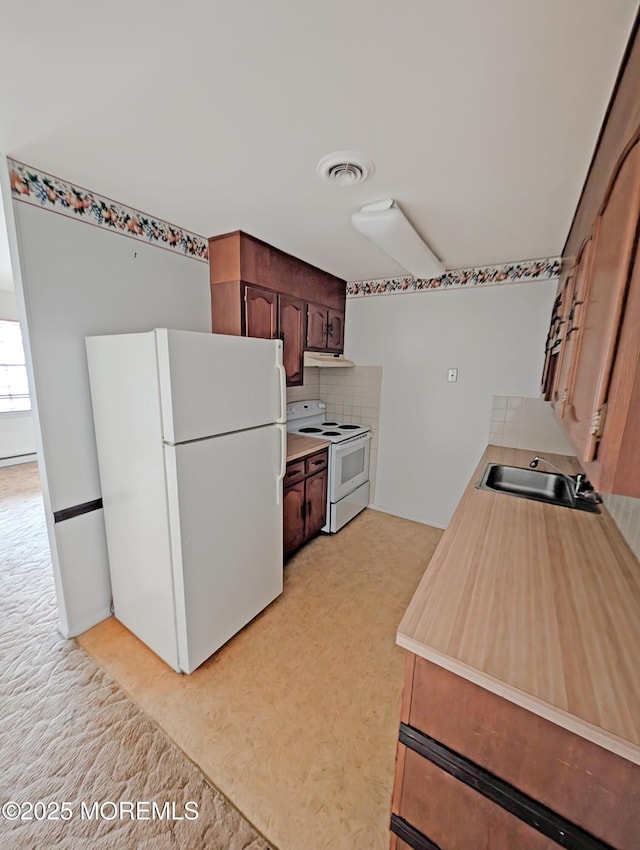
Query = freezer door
x=212 y=384
x=225 y=508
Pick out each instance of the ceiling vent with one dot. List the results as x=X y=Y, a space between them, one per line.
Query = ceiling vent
x=346 y=168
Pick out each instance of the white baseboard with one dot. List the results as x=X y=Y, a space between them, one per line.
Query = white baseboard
x=384 y=510
x=12 y=461
x=85 y=625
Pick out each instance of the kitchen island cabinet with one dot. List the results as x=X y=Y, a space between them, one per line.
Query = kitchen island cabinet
x=257 y=289
x=520 y=721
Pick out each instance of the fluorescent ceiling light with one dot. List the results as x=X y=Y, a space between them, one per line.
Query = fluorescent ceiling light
x=384 y=223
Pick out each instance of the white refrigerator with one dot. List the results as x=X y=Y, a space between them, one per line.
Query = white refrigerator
x=191 y=437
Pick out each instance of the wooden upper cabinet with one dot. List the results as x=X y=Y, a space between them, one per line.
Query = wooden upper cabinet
x=325 y=328
x=316 y=327
x=261 y=314
x=595 y=389
x=335 y=331
x=258 y=290
x=291 y=316
x=569 y=323
x=605 y=290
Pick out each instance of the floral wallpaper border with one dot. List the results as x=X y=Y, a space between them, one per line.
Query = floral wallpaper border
x=522 y=272
x=31 y=186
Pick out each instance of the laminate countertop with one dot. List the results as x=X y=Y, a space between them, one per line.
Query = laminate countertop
x=299 y=446
x=539 y=604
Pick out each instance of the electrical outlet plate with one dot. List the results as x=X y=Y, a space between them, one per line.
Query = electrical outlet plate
x=452 y=375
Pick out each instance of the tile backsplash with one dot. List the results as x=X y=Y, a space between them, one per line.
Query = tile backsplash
x=351 y=395
x=310 y=388
x=626 y=515
x=528 y=423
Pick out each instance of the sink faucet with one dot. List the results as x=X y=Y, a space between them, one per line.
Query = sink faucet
x=580 y=487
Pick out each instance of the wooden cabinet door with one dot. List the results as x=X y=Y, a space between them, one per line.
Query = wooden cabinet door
x=573 y=298
x=316 y=327
x=614 y=239
x=260 y=312
x=335 y=336
x=291 y=314
x=293 y=513
x=316 y=495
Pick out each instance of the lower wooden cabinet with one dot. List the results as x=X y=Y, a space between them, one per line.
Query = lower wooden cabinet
x=474 y=770
x=304 y=499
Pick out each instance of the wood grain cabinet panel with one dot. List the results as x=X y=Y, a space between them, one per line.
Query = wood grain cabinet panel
x=563 y=779
x=316 y=462
x=295 y=472
x=335 y=332
x=573 y=302
x=304 y=499
x=605 y=293
x=457 y=817
x=261 y=313
x=258 y=290
x=316 y=327
x=293 y=513
x=325 y=329
x=598 y=365
x=593 y=379
x=316 y=494
x=291 y=320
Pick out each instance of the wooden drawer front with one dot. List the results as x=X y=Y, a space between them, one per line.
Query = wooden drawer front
x=295 y=471
x=580 y=781
x=415 y=840
x=456 y=817
x=316 y=462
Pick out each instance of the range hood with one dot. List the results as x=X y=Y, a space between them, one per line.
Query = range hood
x=316 y=358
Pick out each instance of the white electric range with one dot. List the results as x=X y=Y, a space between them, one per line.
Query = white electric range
x=348 y=479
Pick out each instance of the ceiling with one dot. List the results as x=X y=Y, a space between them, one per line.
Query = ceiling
x=480 y=115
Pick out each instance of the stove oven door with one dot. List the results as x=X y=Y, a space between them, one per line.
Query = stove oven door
x=349 y=466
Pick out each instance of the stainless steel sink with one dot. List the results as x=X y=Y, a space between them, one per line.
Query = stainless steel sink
x=550 y=487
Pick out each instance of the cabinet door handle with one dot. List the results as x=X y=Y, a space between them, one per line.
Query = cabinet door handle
x=303 y=510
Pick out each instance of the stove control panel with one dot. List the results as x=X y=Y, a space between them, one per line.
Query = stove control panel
x=304 y=409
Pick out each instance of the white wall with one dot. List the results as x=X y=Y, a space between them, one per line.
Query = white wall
x=432 y=432
x=17 y=439
x=8 y=306
x=79 y=280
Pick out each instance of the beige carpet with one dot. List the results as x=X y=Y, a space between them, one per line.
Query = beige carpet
x=68 y=732
x=295 y=720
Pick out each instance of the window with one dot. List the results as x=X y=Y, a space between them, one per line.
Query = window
x=14 y=388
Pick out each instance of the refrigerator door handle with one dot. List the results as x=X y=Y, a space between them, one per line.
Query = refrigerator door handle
x=283 y=385
x=283 y=461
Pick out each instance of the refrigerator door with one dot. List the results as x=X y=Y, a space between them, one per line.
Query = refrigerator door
x=225 y=516
x=213 y=384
